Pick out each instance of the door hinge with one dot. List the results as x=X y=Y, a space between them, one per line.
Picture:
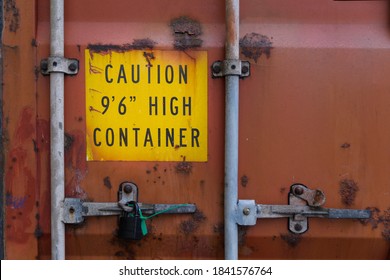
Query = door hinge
x=55 y=64
x=304 y=203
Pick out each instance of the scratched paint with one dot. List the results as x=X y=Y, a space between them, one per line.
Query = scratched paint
x=15 y=202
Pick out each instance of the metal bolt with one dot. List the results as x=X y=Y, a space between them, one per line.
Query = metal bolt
x=298 y=190
x=245 y=69
x=127 y=188
x=72 y=67
x=71 y=210
x=298 y=227
x=217 y=68
x=44 y=65
x=246 y=211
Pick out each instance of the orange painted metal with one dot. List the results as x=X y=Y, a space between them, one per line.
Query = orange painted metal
x=314 y=111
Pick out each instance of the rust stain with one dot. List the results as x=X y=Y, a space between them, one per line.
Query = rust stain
x=94 y=69
x=68 y=141
x=184 y=167
x=292 y=239
x=107 y=182
x=377 y=219
x=43 y=135
x=142 y=44
x=18 y=177
x=188 y=227
x=138 y=44
x=38 y=231
x=76 y=166
x=253 y=45
x=386 y=224
x=345 y=145
x=126 y=250
x=34 y=43
x=12 y=16
x=231 y=24
x=244 y=181
x=219 y=228
x=186 y=32
x=348 y=190
x=25 y=128
x=191 y=225
x=149 y=56
x=242 y=232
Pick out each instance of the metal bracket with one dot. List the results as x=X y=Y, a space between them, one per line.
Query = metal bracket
x=75 y=210
x=303 y=203
x=56 y=64
x=230 y=67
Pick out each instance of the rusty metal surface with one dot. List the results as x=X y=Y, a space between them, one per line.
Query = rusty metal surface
x=1 y=142
x=314 y=111
x=22 y=189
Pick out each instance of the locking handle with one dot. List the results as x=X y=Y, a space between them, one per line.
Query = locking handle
x=303 y=203
x=75 y=210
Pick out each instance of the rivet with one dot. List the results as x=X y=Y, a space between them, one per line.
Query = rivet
x=217 y=68
x=127 y=188
x=298 y=227
x=246 y=211
x=298 y=190
x=72 y=67
x=44 y=65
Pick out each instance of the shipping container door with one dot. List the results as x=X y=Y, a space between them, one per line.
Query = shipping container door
x=145 y=109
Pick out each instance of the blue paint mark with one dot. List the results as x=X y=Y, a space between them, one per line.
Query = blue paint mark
x=14 y=201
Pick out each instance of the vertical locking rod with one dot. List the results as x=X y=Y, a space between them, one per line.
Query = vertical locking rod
x=57 y=132
x=231 y=132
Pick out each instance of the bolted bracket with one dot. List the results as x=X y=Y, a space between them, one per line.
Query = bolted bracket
x=247 y=213
x=230 y=67
x=56 y=64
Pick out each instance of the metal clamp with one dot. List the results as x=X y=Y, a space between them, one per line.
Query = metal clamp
x=56 y=64
x=303 y=203
x=75 y=210
x=230 y=67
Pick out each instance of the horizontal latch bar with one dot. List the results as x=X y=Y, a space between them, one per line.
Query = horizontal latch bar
x=348 y=214
x=286 y=211
x=248 y=212
x=75 y=210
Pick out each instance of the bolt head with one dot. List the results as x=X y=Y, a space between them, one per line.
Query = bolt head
x=127 y=188
x=298 y=190
x=245 y=69
x=44 y=65
x=217 y=68
x=246 y=211
x=72 y=67
x=298 y=227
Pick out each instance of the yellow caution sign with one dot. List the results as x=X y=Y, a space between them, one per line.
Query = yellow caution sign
x=146 y=105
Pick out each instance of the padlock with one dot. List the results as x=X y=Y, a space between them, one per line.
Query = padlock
x=130 y=223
